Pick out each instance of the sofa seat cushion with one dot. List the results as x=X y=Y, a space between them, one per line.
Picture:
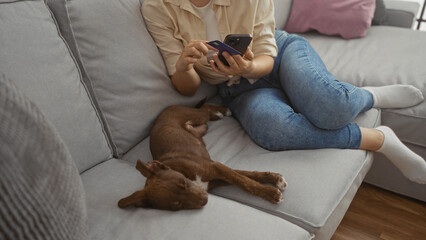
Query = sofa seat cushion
x=387 y=55
x=319 y=180
x=36 y=58
x=221 y=218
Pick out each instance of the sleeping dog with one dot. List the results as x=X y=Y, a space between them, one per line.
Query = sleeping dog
x=182 y=172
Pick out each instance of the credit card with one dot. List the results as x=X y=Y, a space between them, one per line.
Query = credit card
x=222 y=47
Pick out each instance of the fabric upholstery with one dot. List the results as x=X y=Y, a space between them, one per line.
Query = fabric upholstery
x=349 y=19
x=400 y=18
x=122 y=63
x=282 y=12
x=35 y=57
x=380 y=13
x=318 y=182
x=219 y=219
x=41 y=194
x=401 y=13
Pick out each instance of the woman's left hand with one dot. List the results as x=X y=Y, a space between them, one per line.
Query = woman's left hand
x=238 y=65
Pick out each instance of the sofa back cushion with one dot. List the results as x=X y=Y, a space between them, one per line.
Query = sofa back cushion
x=349 y=18
x=38 y=61
x=282 y=12
x=123 y=66
x=41 y=193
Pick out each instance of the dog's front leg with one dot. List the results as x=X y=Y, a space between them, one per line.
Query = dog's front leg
x=266 y=177
x=262 y=177
x=251 y=186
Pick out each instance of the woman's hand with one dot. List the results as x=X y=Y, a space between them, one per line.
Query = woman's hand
x=246 y=66
x=238 y=65
x=186 y=80
x=192 y=52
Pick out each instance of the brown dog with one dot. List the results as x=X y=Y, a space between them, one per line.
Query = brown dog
x=183 y=172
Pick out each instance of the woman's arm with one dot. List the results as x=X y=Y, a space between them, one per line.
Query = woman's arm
x=186 y=83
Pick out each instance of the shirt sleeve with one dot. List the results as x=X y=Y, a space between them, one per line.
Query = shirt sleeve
x=162 y=29
x=264 y=29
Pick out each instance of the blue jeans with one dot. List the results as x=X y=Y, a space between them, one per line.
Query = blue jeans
x=299 y=105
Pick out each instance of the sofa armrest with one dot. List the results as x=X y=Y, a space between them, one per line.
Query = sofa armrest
x=401 y=13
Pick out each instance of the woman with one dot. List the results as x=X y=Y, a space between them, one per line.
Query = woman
x=279 y=90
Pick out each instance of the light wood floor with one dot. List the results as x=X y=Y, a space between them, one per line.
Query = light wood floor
x=377 y=214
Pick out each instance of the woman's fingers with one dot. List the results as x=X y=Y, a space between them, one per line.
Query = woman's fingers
x=220 y=67
x=193 y=52
x=249 y=55
x=238 y=66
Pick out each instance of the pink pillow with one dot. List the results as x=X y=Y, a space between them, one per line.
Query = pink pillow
x=347 y=18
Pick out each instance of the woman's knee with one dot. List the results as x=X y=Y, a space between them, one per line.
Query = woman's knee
x=334 y=116
x=296 y=38
x=266 y=117
x=275 y=135
x=338 y=107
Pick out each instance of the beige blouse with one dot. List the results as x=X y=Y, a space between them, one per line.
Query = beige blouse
x=173 y=23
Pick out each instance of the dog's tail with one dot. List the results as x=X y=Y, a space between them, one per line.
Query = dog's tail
x=201 y=103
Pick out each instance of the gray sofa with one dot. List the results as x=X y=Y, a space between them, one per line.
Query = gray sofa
x=93 y=71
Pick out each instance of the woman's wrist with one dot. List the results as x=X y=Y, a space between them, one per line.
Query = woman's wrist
x=260 y=67
x=186 y=82
x=250 y=71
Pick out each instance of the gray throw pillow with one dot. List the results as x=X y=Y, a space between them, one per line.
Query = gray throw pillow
x=41 y=193
x=380 y=14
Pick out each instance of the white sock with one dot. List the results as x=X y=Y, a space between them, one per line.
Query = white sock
x=395 y=96
x=409 y=163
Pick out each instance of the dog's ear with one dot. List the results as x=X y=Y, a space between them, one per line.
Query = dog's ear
x=149 y=169
x=157 y=165
x=144 y=169
x=138 y=199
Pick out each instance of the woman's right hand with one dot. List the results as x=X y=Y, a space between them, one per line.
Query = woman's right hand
x=192 y=52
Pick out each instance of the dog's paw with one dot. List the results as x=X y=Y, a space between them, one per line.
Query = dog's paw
x=281 y=184
x=274 y=195
x=219 y=115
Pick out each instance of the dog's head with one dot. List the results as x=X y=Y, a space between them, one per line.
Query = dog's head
x=165 y=189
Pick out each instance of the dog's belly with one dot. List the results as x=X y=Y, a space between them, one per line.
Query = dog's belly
x=201 y=184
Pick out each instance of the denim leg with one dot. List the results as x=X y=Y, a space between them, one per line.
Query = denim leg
x=273 y=113
x=313 y=91
x=268 y=119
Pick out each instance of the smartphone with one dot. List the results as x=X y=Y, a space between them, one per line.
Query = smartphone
x=238 y=44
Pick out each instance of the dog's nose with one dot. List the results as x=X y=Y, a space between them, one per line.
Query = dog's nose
x=204 y=200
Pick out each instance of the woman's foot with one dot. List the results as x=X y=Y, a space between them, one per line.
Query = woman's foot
x=409 y=163
x=395 y=96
